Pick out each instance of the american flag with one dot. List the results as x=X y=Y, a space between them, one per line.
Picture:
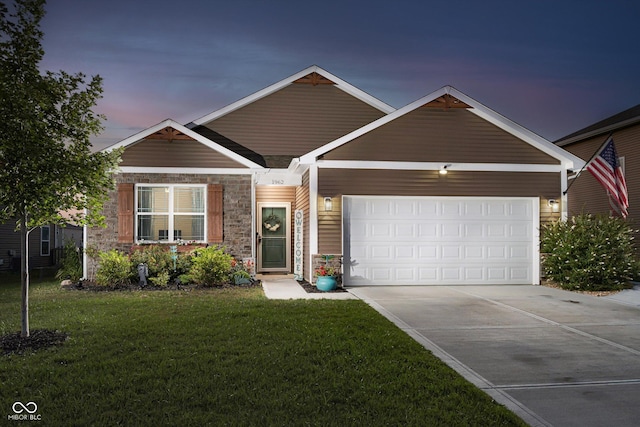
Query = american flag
x=606 y=168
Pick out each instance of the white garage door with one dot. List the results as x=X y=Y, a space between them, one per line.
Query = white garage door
x=440 y=240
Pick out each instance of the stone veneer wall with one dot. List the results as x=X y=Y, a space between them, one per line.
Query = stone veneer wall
x=236 y=212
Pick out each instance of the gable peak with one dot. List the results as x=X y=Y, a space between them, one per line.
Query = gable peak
x=169 y=134
x=314 y=79
x=446 y=102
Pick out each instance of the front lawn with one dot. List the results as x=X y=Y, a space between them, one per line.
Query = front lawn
x=227 y=357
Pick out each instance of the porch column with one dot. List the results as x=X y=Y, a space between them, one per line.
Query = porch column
x=313 y=217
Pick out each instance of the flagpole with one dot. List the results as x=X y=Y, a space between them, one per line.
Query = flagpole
x=564 y=193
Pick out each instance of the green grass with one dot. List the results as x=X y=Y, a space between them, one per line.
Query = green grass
x=227 y=357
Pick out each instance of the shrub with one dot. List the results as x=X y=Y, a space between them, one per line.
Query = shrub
x=588 y=253
x=158 y=260
x=114 y=270
x=210 y=266
x=71 y=263
x=162 y=279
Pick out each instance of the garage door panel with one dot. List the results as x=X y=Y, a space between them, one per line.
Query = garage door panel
x=497 y=273
x=380 y=252
x=474 y=252
x=474 y=274
x=451 y=230
x=428 y=240
x=520 y=252
x=405 y=253
x=427 y=229
x=496 y=252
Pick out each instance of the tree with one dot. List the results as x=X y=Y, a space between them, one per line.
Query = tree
x=46 y=121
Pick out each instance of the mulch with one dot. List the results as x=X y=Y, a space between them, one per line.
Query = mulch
x=311 y=289
x=37 y=340
x=94 y=287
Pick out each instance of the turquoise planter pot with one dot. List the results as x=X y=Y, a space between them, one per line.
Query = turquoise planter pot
x=326 y=283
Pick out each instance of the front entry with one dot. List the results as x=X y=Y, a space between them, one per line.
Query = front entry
x=274 y=237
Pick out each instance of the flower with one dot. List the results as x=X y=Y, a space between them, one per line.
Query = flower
x=323 y=270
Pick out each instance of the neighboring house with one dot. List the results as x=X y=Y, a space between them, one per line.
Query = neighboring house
x=586 y=194
x=354 y=177
x=43 y=242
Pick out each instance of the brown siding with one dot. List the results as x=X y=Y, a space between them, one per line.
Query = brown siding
x=295 y=120
x=330 y=227
x=179 y=153
x=435 y=135
x=586 y=194
x=10 y=247
x=338 y=182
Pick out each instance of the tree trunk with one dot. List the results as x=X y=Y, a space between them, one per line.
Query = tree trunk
x=24 y=267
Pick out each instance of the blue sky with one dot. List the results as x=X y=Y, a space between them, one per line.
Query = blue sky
x=552 y=66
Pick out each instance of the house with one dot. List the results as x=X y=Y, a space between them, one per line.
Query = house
x=44 y=245
x=443 y=190
x=586 y=195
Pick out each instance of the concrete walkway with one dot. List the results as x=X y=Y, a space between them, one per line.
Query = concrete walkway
x=285 y=287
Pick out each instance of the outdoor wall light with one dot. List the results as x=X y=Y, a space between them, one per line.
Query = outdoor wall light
x=443 y=169
x=328 y=204
x=555 y=205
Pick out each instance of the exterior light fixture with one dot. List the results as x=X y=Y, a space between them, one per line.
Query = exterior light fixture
x=328 y=204
x=554 y=204
x=443 y=169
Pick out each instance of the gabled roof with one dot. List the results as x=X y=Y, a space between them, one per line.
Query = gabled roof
x=449 y=97
x=212 y=135
x=312 y=75
x=625 y=118
x=183 y=132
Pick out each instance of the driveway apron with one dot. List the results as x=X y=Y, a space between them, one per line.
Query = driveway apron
x=555 y=358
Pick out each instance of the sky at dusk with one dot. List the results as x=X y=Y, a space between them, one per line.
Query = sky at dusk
x=552 y=66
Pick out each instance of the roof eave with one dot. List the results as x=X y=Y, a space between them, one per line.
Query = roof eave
x=599 y=131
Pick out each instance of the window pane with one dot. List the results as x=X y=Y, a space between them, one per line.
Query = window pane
x=153 y=199
x=189 y=227
x=188 y=199
x=44 y=232
x=153 y=227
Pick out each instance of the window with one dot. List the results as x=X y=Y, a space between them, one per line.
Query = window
x=45 y=240
x=168 y=213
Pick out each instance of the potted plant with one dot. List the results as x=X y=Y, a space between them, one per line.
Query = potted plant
x=326 y=278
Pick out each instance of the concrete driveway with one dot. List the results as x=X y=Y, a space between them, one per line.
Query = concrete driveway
x=553 y=357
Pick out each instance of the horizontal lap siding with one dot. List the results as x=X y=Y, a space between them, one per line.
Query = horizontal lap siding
x=295 y=120
x=435 y=135
x=179 y=153
x=338 y=182
x=586 y=194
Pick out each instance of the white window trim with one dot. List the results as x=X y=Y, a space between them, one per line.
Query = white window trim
x=171 y=214
x=42 y=240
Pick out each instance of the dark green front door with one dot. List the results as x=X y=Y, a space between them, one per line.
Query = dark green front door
x=274 y=240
